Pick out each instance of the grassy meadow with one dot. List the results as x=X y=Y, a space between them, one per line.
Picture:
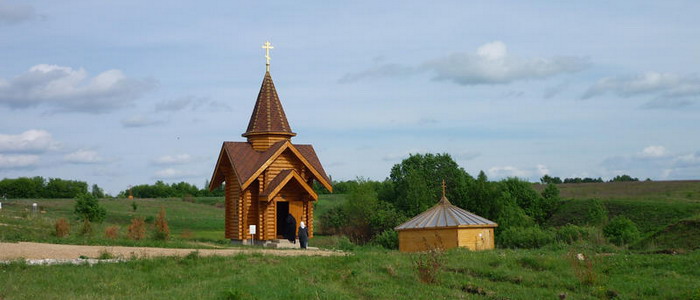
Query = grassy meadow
x=665 y=264
x=368 y=274
x=667 y=213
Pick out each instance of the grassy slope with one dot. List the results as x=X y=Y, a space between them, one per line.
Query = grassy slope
x=367 y=274
x=658 y=208
x=198 y=219
x=202 y=220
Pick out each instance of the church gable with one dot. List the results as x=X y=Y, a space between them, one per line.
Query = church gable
x=248 y=164
x=290 y=180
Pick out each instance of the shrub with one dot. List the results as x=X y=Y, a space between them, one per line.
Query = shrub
x=388 y=239
x=525 y=237
x=597 y=214
x=86 y=228
x=162 y=230
x=62 y=227
x=621 y=231
x=571 y=233
x=429 y=265
x=112 y=232
x=583 y=262
x=137 y=229
x=104 y=254
x=87 y=207
x=134 y=206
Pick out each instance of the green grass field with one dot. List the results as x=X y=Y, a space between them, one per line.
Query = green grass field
x=190 y=222
x=367 y=274
x=667 y=213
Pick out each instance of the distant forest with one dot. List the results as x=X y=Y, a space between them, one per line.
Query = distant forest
x=40 y=187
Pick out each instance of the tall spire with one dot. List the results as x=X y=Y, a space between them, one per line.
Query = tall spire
x=268 y=123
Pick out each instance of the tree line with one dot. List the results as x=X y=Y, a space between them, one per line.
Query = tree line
x=374 y=208
x=546 y=179
x=40 y=187
x=161 y=189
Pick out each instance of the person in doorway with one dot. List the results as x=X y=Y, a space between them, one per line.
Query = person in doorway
x=303 y=235
x=290 y=232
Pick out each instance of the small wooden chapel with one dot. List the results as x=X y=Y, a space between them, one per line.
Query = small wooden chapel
x=267 y=178
x=446 y=226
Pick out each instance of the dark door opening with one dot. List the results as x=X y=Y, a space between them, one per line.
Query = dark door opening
x=282 y=213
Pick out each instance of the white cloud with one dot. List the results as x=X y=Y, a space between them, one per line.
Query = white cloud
x=67 y=89
x=653 y=152
x=30 y=141
x=655 y=162
x=18 y=161
x=507 y=171
x=670 y=90
x=171 y=173
x=140 y=121
x=83 y=157
x=15 y=13
x=542 y=170
x=490 y=64
x=177 y=159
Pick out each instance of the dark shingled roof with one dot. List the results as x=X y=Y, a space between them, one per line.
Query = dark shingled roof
x=275 y=182
x=444 y=214
x=268 y=115
x=308 y=152
x=246 y=161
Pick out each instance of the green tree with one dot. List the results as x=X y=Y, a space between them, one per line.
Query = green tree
x=87 y=208
x=549 y=202
x=546 y=179
x=597 y=214
x=23 y=187
x=97 y=191
x=623 y=178
x=621 y=231
x=416 y=182
x=59 y=188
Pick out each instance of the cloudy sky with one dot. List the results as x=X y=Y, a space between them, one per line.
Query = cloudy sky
x=127 y=92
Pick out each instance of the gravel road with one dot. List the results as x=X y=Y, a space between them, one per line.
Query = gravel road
x=28 y=250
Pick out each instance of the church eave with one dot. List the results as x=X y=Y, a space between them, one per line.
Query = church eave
x=256 y=133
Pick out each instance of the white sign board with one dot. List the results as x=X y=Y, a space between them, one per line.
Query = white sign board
x=251 y=229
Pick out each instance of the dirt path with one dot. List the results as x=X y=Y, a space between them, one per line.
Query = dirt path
x=27 y=250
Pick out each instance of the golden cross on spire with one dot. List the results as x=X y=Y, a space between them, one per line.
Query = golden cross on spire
x=267 y=46
x=443 y=188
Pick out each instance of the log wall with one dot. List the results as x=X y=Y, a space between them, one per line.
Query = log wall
x=262 y=143
x=446 y=238
x=469 y=238
x=232 y=201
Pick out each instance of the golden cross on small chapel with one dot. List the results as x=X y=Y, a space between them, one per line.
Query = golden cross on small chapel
x=267 y=46
x=443 y=188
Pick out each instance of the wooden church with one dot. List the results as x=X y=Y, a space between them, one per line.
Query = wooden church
x=267 y=177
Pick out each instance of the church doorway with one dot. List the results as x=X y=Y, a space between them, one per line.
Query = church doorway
x=282 y=213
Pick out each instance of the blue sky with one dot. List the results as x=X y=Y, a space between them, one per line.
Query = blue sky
x=124 y=92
